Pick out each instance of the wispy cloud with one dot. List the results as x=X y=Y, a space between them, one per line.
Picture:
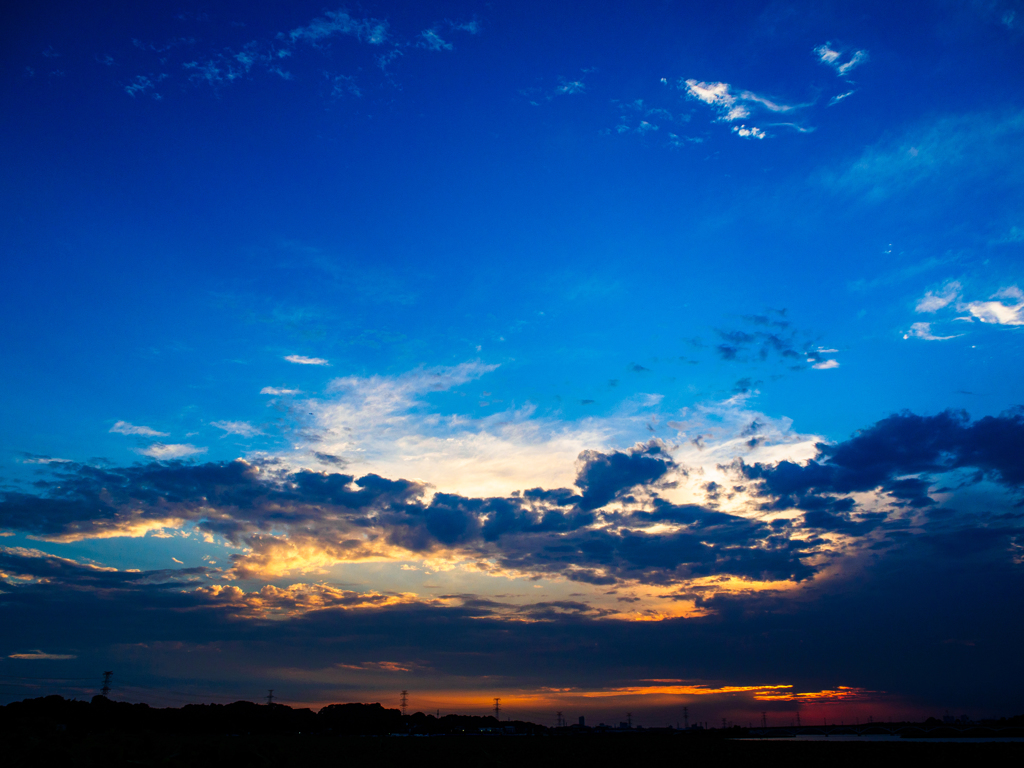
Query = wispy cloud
x=303 y=360
x=279 y=391
x=969 y=148
x=1004 y=307
x=831 y=57
x=42 y=656
x=924 y=331
x=124 y=428
x=162 y=451
x=733 y=105
x=332 y=23
x=241 y=428
x=432 y=41
x=933 y=301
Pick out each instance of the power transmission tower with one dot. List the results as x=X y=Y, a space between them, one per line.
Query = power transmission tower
x=686 y=718
x=270 y=697
x=723 y=723
x=405 y=701
x=106 y=683
x=629 y=719
x=764 y=719
x=497 y=708
x=558 y=716
x=798 y=719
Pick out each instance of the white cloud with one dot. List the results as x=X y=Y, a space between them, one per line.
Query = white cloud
x=243 y=428
x=825 y=365
x=41 y=655
x=124 y=428
x=279 y=391
x=733 y=106
x=384 y=424
x=832 y=58
x=1000 y=311
x=934 y=301
x=718 y=96
x=836 y=99
x=169 y=451
x=748 y=133
x=303 y=360
x=924 y=331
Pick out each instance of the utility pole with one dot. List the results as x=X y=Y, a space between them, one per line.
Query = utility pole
x=686 y=718
x=270 y=697
x=405 y=701
x=497 y=708
x=106 y=683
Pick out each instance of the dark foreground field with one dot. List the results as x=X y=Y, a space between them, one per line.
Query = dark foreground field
x=113 y=749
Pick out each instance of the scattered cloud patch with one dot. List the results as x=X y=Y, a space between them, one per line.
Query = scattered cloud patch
x=124 y=428
x=826 y=365
x=241 y=428
x=933 y=301
x=332 y=23
x=748 y=133
x=831 y=57
x=163 y=451
x=732 y=105
x=924 y=331
x=303 y=360
x=280 y=391
x=432 y=41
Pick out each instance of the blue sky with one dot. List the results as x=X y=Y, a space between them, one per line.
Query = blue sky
x=487 y=248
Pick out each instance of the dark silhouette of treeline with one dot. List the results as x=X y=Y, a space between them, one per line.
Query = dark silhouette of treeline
x=241 y=717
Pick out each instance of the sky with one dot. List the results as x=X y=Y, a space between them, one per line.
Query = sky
x=602 y=357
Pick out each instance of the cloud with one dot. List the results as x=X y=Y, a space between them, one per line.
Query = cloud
x=241 y=428
x=748 y=133
x=303 y=360
x=895 y=457
x=732 y=106
x=825 y=365
x=383 y=424
x=432 y=41
x=165 y=451
x=934 y=301
x=278 y=391
x=924 y=331
x=974 y=149
x=124 y=428
x=372 y=31
x=833 y=58
x=840 y=97
x=41 y=655
x=1007 y=308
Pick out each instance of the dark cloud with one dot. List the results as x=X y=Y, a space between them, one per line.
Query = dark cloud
x=605 y=476
x=899 y=456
